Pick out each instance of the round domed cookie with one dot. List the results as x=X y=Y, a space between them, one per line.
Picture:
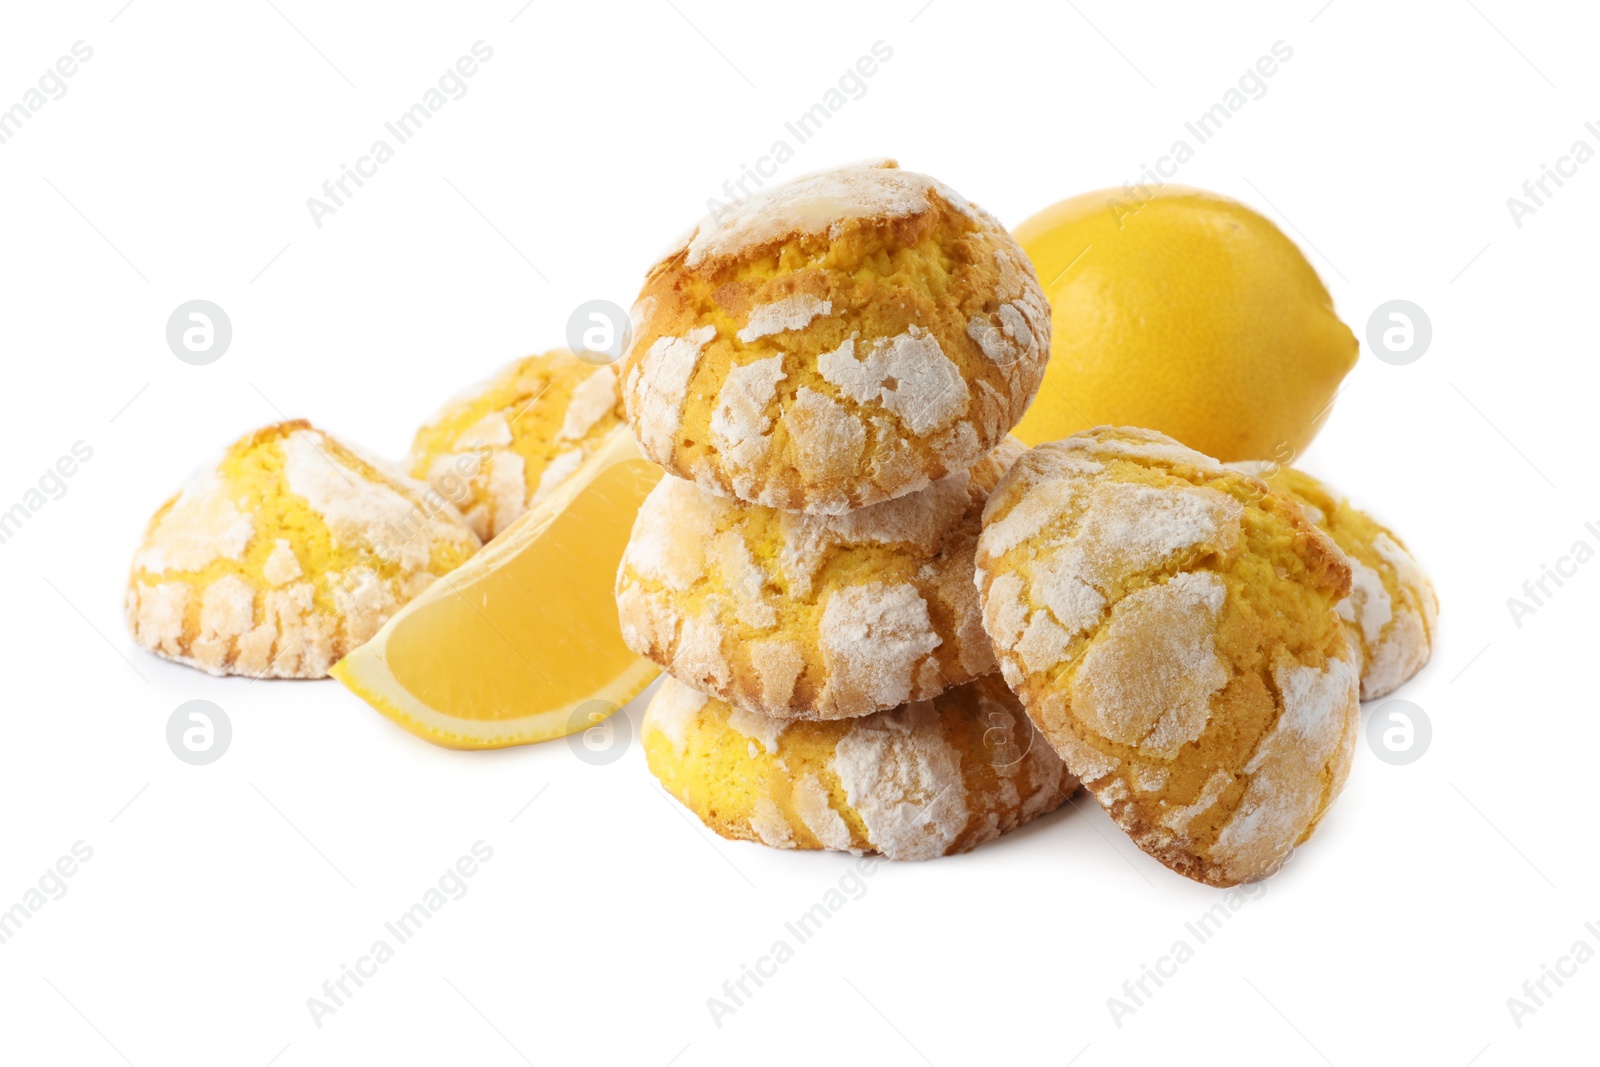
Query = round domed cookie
x=931 y=778
x=500 y=447
x=1392 y=609
x=836 y=341
x=1170 y=626
x=800 y=615
x=284 y=554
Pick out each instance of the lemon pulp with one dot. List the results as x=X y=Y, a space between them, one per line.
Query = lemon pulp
x=505 y=649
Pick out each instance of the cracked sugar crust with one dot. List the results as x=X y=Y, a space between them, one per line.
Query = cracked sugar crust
x=929 y=778
x=286 y=553
x=823 y=203
x=1392 y=611
x=500 y=447
x=1171 y=626
x=800 y=615
x=832 y=343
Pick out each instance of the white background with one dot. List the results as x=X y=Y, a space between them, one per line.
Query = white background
x=220 y=898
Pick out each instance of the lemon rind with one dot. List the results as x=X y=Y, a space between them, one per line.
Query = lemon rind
x=366 y=674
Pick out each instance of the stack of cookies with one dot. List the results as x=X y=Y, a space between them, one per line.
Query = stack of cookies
x=828 y=374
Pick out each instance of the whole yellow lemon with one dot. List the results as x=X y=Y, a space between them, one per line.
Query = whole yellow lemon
x=1185 y=312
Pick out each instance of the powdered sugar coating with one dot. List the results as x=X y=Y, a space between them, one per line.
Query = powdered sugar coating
x=202 y=525
x=827 y=438
x=673 y=710
x=908 y=374
x=670 y=534
x=1150 y=681
x=1368 y=606
x=1401 y=653
x=1123 y=529
x=507 y=490
x=740 y=423
x=820 y=203
x=1288 y=780
x=866 y=287
x=1046 y=501
x=813 y=615
x=509 y=442
x=493 y=429
x=1392 y=610
x=282 y=566
x=1170 y=625
x=1012 y=334
x=827 y=825
x=914 y=782
x=777 y=663
x=769 y=825
x=1408 y=641
x=316 y=547
x=790 y=313
x=555 y=472
x=657 y=393
x=920 y=522
x=873 y=636
x=757 y=727
x=359 y=512
x=904 y=779
x=1145 y=446
x=592 y=399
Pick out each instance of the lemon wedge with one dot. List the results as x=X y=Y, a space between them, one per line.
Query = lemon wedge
x=520 y=643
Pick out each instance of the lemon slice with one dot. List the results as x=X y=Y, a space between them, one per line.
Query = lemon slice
x=519 y=643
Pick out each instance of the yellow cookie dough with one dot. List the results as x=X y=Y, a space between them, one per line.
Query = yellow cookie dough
x=801 y=615
x=843 y=339
x=931 y=778
x=1170 y=626
x=1392 y=610
x=286 y=553
x=502 y=446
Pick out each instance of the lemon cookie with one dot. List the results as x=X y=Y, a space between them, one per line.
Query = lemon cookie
x=800 y=615
x=1392 y=610
x=931 y=778
x=843 y=339
x=502 y=446
x=286 y=553
x=1170 y=625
